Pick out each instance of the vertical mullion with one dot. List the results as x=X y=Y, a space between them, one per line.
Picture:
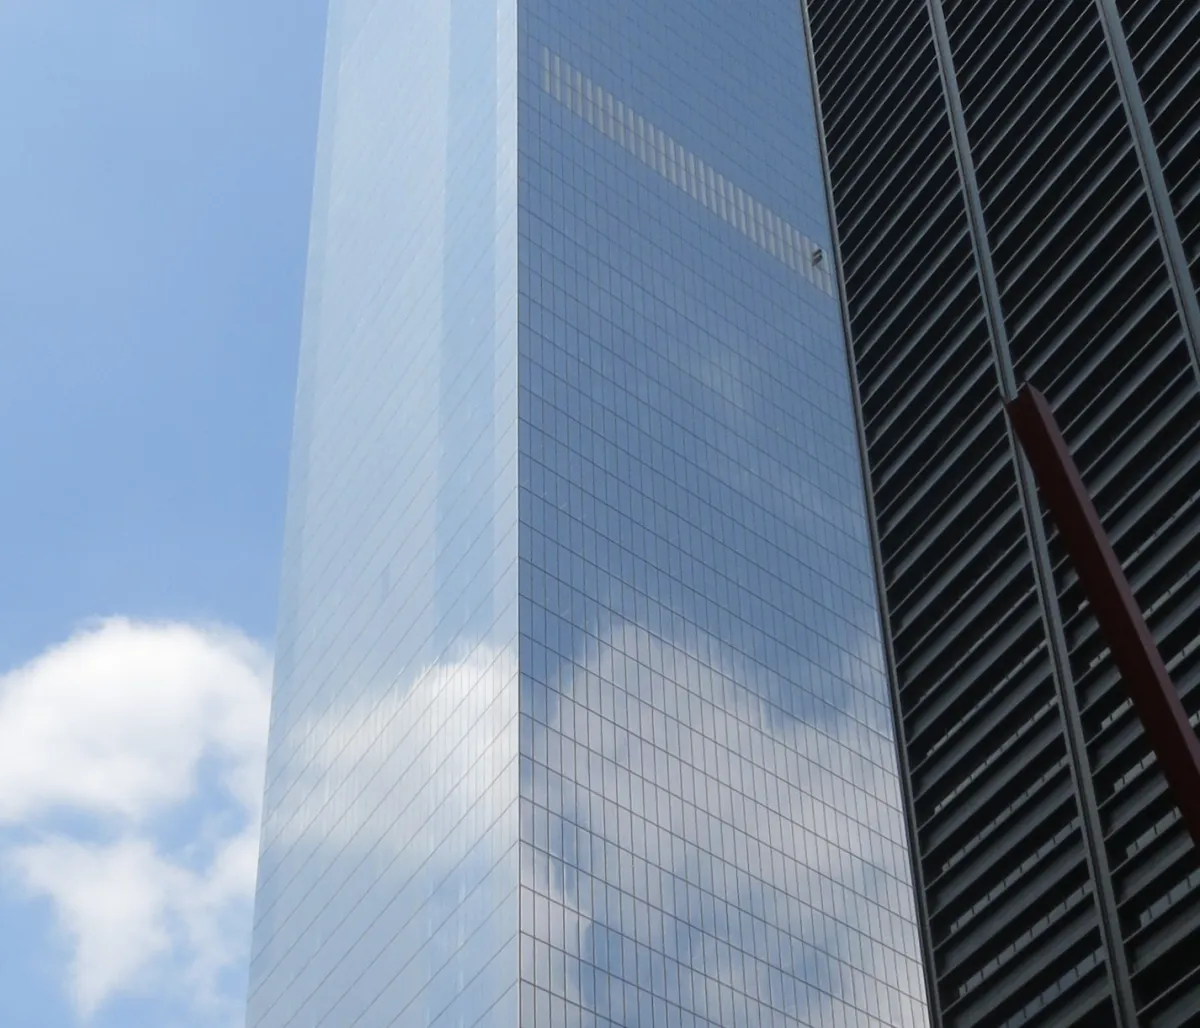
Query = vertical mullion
x=1098 y=867
x=1174 y=256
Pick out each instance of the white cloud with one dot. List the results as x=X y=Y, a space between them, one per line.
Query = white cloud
x=116 y=732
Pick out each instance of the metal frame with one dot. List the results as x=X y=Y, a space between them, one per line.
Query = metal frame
x=1159 y=197
x=1107 y=917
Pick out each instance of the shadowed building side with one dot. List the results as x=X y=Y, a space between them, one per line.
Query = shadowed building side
x=1016 y=200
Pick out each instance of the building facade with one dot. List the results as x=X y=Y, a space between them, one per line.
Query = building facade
x=1017 y=196
x=580 y=714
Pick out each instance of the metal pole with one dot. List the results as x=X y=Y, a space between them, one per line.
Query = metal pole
x=1147 y=683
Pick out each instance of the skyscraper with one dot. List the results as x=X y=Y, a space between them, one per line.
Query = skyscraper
x=580 y=713
x=1016 y=196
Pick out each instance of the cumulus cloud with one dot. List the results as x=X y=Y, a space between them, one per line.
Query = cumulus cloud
x=130 y=778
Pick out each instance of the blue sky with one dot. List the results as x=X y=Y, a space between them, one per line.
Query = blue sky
x=154 y=195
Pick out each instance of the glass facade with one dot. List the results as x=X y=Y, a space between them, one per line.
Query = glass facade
x=580 y=714
x=388 y=873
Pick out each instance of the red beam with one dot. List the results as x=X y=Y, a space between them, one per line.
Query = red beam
x=1129 y=640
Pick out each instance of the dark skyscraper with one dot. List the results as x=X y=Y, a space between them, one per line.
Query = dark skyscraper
x=580 y=715
x=1017 y=196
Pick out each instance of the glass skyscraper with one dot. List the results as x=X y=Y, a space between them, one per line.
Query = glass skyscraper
x=580 y=713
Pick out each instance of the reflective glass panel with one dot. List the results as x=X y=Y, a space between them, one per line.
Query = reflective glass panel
x=580 y=715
